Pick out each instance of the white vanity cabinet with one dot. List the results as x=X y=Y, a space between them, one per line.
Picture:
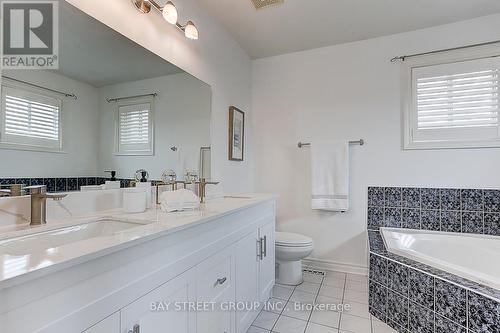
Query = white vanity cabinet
x=108 y=325
x=162 y=310
x=227 y=261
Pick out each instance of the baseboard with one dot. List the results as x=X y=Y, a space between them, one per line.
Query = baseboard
x=321 y=264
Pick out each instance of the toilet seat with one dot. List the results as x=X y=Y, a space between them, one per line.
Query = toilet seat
x=288 y=239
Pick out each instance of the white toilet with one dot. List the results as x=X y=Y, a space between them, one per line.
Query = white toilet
x=290 y=250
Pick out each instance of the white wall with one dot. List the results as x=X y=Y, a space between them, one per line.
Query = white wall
x=182 y=119
x=80 y=133
x=352 y=91
x=215 y=59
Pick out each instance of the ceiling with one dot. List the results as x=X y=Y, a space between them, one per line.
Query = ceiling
x=93 y=53
x=300 y=25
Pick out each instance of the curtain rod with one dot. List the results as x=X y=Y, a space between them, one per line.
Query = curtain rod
x=404 y=57
x=109 y=100
x=40 y=87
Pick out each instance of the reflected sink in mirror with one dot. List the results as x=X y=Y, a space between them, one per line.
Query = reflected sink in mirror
x=26 y=253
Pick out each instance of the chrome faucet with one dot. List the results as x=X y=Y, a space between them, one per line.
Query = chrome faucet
x=39 y=198
x=202 y=184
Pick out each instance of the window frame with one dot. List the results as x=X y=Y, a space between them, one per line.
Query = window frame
x=132 y=102
x=409 y=116
x=30 y=144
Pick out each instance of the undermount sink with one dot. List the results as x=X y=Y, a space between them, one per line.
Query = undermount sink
x=49 y=241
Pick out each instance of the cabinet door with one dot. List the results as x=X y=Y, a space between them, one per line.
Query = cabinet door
x=108 y=325
x=267 y=264
x=215 y=278
x=163 y=310
x=247 y=279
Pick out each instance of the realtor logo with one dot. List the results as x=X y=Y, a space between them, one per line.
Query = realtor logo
x=30 y=34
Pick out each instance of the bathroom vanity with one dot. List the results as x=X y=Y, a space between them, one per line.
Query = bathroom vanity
x=114 y=272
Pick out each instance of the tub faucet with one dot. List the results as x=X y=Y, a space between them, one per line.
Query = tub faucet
x=39 y=198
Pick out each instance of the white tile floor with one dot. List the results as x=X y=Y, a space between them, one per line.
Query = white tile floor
x=283 y=316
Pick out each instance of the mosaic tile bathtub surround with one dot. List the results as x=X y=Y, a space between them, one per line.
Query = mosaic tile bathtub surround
x=442 y=209
x=412 y=301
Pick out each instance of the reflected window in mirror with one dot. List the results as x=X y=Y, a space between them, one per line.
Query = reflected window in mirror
x=30 y=118
x=135 y=128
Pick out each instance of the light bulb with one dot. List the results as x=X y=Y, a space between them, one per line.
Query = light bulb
x=170 y=13
x=190 y=30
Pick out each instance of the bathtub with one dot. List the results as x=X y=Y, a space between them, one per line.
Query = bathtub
x=473 y=257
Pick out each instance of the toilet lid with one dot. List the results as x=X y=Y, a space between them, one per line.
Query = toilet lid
x=291 y=239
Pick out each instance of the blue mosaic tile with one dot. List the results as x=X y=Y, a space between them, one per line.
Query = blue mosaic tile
x=100 y=181
x=60 y=184
x=36 y=181
x=444 y=325
x=397 y=309
x=484 y=314
x=450 y=199
x=375 y=217
x=429 y=198
x=421 y=288
x=7 y=181
x=397 y=278
x=492 y=224
x=411 y=197
x=50 y=183
x=376 y=196
x=378 y=300
x=411 y=218
x=378 y=269
x=472 y=222
x=492 y=201
x=72 y=184
x=450 y=301
x=421 y=320
x=451 y=221
x=124 y=182
x=392 y=217
x=82 y=182
x=472 y=200
x=91 y=180
x=392 y=196
x=430 y=220
x=23 y=181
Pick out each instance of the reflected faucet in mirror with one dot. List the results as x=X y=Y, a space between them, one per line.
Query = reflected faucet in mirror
x=39 y=198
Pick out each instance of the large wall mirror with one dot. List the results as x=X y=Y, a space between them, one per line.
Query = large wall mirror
x=111 y=105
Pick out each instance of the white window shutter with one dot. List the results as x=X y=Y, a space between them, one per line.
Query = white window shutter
x=135 y=129
x=454 y=105
x=30 y=119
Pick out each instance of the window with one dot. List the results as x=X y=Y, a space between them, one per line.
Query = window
x=135 y=129
x=30 y=119
x=453 y=105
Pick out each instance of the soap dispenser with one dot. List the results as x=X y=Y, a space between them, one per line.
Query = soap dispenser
x=142 y=177
x=113 y=183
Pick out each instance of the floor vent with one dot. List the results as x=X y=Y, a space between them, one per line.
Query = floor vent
x=259 y=4
x=314 y=272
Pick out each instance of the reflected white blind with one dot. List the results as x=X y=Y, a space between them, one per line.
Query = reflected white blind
x=29 y=116
x=463 y=100
x=134 y=124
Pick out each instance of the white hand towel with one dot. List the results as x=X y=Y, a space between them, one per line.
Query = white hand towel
x=179 y=200
x=330 y=175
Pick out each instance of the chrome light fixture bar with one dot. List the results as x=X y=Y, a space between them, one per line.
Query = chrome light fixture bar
x=169 y=13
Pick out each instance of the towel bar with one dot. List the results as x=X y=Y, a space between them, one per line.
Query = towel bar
x=358 y=142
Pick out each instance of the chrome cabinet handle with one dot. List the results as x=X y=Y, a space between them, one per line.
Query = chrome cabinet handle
x=259 y=248
x=265 y=246
x=137 y=329
x=220 y=281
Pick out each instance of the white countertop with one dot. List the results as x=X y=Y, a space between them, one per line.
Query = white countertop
x=155 y=223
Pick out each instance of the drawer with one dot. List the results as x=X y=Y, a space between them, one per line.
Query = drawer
x=215 y=276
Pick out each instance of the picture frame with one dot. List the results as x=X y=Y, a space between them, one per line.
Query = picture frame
x=236 y=134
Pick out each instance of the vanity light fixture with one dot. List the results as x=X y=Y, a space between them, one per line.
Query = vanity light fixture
x=169 y=13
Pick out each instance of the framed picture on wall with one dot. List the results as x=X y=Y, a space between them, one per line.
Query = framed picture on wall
x=236 y=133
